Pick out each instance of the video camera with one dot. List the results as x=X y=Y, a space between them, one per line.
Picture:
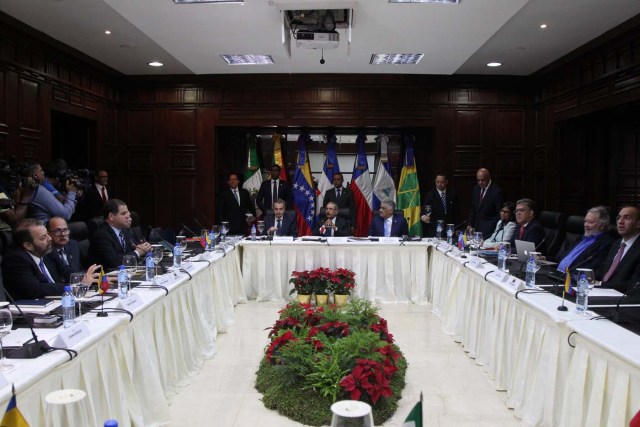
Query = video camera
x=13 y=175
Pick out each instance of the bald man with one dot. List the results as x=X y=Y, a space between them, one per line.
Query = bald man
x=486 y=200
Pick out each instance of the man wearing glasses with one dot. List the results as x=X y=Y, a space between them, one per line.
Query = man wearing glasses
x=528 y=228
x=63 y=249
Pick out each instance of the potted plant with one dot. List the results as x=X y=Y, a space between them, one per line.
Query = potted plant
x=342 y=281
x=302 y=285
x=321 y=280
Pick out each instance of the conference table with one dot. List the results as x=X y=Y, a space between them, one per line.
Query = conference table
x=557 y=368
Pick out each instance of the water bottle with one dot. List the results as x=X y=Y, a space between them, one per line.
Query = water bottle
x=582 y=294
x=68 y=308
x=177 y=257
x=460 y=242
x=530 y=278
x=123 y=283
x=502 y=258
x=150 y=267
x=111 y=423
x=253 y=232
x=439 y=230
x=450 y=235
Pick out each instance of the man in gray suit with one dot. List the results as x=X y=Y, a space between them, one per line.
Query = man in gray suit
x=280 y=223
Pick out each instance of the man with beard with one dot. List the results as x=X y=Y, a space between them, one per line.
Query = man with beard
x=27 y=272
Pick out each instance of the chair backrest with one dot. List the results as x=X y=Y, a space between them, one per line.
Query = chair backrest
x=136 y=228
x=613 y=231
x=157 y=234
x=94 y=224
x=342 y=212
x=5 y=239
x=574 y=229
x=553 y=223
x=79 y=231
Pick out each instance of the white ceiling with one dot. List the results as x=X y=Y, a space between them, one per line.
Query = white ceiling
x=455 y=39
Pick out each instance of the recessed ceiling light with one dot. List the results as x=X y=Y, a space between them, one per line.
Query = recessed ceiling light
x=107 y=32
x=494 y=64
x=156 y=64
x=543 y=26
x=395 y=58
x=248 y=59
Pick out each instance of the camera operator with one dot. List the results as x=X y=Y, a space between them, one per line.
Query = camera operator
x=12 y=211
x=44 y=204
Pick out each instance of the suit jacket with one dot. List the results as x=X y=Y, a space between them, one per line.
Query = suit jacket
x=90 y=206
x=105 y=247
x=399 y=226
x=346 y=201
x=597 y=251
x=23 y=278
x=342 y=228
x=72 y=250
x=233 y=212
x=264 y=199
x=533 y=232
x=483 y=216
x=287 y=228
x=628 y=271
x=437 y=210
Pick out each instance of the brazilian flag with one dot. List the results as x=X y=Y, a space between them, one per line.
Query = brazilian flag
x=409 y=190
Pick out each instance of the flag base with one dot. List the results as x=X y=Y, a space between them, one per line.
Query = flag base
x=562 y=308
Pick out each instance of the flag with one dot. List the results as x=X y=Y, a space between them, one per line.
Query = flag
x=278 y=158
x=414 y=419
x=252 y=175
x=304 y=195
x=103 y=282
x=567 y=282
x=460 y=242
x=361 y=188
x=330 y=167
x=409 y=190
x=12 y=416
x=383 y=185
x=635 y=421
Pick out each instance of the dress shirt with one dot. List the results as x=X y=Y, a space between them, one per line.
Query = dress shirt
x=629 y=243
x=100 y=188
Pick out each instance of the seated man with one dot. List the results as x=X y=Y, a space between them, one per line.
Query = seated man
x=388 y=223
x=63 y=249
x=114 y=238
x=332 y=225
x=621 y=268
x=280 y=223
x=590 y=250
x=26 y=271
x=528 y=228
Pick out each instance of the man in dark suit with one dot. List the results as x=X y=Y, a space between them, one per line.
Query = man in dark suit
x=266 y=195
x=114 y=239
x=235 y=202
x=63 y=249
x=621 y=268
x=332 y=225
x=343 y=197
x=388 y=223
x=444 y=206
x=96 y=196
x=528 y=228
x=589 y=250
x=280 y=223
x=486 y=200
x=26 y=270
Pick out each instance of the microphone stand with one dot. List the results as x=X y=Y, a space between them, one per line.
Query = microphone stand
x=31 y=350
x=184 y=226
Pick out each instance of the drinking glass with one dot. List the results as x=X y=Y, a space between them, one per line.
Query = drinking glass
x=182 y=241
x=131 y=264
x=215 y=229
x=224 y=229
x=537 y=257
x=157 y=253
x=427 y=210
x=6 y=322
x=79 y=290
x=588 y=274
x=260 y=227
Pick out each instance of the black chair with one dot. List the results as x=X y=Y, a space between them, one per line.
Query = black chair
x=342 y=212
x=574 y=229
x=79 y=231
x=554 y=229
x=94 y=224
x=5 y=240
x=136 y=228
x=613 y=231
x=158 y=234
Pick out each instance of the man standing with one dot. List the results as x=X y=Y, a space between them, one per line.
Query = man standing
x=96 y=197
x=333 y=225
x=486 y=200
x=280 y=223
x=388 y=223
x=271 y=190
x=444 y=205
x=528 y=228
x=64 y=250
x=235 y=202
x=621 y=268
x=590 y=249
x=114 y=239
x=342 y=197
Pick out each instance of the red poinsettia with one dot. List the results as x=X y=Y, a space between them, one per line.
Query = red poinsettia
x=335 y=328
x=381 y=328
x=271 y=352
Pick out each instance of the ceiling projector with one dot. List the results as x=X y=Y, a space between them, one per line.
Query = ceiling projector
x=317 y=39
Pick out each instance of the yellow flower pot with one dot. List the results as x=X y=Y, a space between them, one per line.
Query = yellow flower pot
x=322 y=299
x=340 y=300
x=304 y=299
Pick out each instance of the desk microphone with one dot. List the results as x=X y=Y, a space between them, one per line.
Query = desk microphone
x=198 y=222
x=184 y=227
x=31 y=350
x=635 y=289
x=460 y=225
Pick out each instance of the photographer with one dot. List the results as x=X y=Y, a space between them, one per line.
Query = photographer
x=44 y=204
x=12 y=211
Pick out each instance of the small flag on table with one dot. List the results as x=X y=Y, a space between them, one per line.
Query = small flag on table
x=567 y=282
x=103 y=282
x=415 y=416
x=12 y=416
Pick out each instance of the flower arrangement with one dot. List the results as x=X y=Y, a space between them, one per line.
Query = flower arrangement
x=322 y=280
x=317 y=355
x=342 y=281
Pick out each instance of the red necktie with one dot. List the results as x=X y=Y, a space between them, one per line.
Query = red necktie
x=615 y=263
x=104 y=196
x=521 y=232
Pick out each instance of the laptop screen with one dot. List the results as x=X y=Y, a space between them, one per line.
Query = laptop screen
x=523 y=248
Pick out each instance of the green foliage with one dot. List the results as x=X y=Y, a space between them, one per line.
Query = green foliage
x=326 y=374
x=360 y=344
x=361 y=313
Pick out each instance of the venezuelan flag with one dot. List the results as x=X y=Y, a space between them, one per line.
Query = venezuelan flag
x=567 y=283
x=12 y=416
x=103 y=282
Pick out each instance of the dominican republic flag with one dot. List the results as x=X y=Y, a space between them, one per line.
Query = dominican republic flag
x=330 y=167
x=278 y=158
x=383 y=185
x=304 y=195
x=362 y=189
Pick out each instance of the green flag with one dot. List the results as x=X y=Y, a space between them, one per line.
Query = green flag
x=409 y=191
x=415 y=416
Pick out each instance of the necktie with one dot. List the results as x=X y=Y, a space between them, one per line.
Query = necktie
x=104 y=195
x=521 y=232
x=387 y=228
x=44 y=271
x=235 y=194
x=333 y=223
x=338 y=193
x=63 y=256
x=274 y=192
x=444 y=201
x=615 y=263
x=122 y=242
x=278 y=226
x=482 y=194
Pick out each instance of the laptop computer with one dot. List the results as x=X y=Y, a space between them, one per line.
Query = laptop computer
x=523 y=248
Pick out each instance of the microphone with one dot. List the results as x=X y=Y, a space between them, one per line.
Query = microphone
x=184 y=226
x=460 y=225
x=198 y=222
x=31 y=350
x=635 y=289
x=539 y=244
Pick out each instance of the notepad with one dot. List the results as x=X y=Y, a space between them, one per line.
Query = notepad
x=34 y=302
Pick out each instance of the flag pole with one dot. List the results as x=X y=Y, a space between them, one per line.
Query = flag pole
x=562 y=307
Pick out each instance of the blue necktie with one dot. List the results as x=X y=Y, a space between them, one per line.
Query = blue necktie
x=122 y=242
x=444 y=202
x=44 y=271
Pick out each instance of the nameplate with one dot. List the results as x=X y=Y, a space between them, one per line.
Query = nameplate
x=206 y=255
x=130 y=303
x=73 y=335
x=500 y=276
x=164 y=279
x=189 y=266
x=514 y=282
x=283 y=238
x=337 y=240
x=395 y=240
x=475 y=262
